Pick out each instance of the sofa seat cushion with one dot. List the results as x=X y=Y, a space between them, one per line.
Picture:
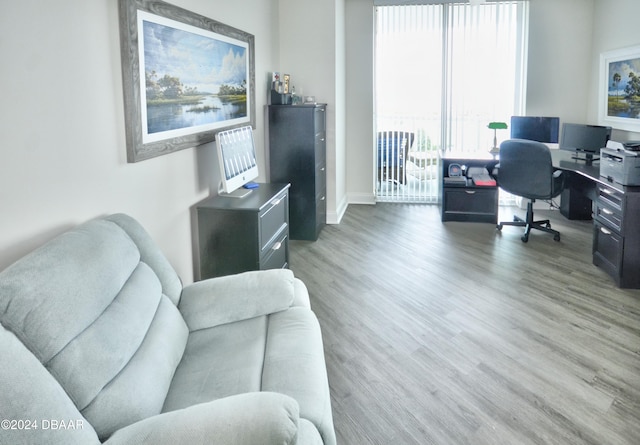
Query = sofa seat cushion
x=211 y=367
x=282 y=352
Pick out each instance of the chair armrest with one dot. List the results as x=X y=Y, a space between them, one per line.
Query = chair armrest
x=216 y=301
x=245 y=419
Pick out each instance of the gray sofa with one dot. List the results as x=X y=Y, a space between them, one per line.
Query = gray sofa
x=101 y=343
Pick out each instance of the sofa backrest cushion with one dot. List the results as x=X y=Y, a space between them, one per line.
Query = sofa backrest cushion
x=33 y=402
x=150 y=254
x=94 y=311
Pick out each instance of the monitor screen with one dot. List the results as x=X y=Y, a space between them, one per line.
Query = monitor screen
x=584 y=138
x=237 y=160
x=535 y=128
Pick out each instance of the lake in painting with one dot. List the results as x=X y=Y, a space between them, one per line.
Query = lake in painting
x=211 y=109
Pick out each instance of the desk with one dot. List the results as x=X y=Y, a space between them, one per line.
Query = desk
x=615 y=210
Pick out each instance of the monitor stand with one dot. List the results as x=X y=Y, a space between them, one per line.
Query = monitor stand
x=588 y=158
x=238 y=193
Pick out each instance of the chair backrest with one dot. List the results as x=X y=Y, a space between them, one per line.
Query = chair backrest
x=393 y=146
x=526 y=169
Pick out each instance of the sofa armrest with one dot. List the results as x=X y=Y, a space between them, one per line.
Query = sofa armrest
x=216 y=301
x=251 y=418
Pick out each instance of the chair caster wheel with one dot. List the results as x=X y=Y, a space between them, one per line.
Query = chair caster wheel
x=499 y=226
x=524 y=238
x=556 y=237
x=515 y=219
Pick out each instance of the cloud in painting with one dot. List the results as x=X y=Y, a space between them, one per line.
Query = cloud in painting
x=197 y=60
x=233 y=70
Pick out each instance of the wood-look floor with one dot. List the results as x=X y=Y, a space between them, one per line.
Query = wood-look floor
x=457 y=334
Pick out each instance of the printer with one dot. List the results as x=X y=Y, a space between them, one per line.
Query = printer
x=620 y=163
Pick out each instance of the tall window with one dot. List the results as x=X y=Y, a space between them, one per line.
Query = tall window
x=444 y=71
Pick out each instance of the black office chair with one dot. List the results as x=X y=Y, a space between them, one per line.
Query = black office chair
x=526 y=170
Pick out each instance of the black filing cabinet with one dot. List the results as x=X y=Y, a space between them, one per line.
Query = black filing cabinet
x=297 y=155
x=241 y=234
x=616 y=236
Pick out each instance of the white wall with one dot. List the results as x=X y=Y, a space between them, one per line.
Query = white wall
x=63 y=155
x=334 y=215
x=312 y=51
x=615 y=27
x=559 y=58
x=360 y=122
x=566 y=40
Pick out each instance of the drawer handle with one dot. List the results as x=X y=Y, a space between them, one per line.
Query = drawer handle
x=276 y=202
x=322 y=199
x=608 y=192
x=322 y=169
x=605 y=231
x=470 y=192
x=277 y=246
x=607 y=212
x=322 y=140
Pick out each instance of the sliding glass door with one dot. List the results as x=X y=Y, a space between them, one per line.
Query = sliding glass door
x=442 y=73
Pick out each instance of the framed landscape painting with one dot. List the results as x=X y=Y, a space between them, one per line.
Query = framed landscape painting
x=185 y=78
x=619 y=104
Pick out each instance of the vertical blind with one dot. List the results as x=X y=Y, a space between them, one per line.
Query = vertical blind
x=485 y=67
x=455 y=66
x=444 y=71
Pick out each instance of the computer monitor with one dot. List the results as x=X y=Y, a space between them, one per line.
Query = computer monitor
x=237 y=161
x=584 y=140
x=535 y=128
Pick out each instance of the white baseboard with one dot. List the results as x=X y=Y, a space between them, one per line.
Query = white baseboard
x=336 y=217
x=362 y=198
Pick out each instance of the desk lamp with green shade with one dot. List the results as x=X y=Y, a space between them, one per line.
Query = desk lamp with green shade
x=496 y=126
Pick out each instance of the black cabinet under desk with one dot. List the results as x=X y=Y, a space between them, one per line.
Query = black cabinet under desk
x=461 y=199
x=616 y=233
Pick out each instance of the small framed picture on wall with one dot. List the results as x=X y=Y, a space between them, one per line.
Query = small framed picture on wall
x=619 y=101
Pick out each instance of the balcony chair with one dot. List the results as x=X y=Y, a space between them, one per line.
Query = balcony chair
x=393 y=149
x=526 y=170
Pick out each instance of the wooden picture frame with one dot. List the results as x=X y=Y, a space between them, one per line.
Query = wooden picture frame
x=185 y=77
x=619 y=101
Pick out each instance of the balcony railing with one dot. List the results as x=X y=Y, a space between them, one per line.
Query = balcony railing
x=407 y=173
x=412 y=173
